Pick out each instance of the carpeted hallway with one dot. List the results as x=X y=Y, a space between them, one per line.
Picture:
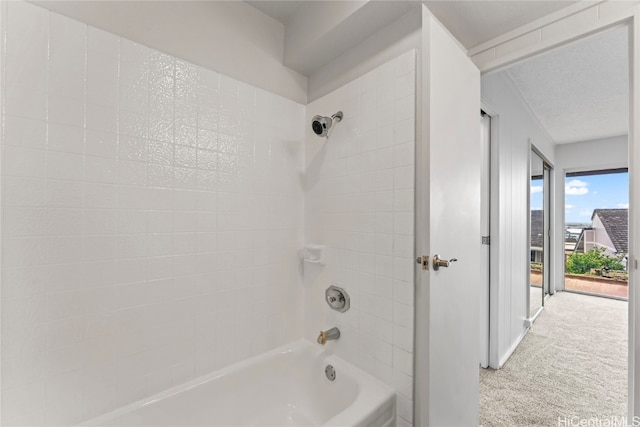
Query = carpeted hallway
x=572 y=363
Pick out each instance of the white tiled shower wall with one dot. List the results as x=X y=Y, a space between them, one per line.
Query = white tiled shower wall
x=359 y=202
x=152 y=211
x=151 y=215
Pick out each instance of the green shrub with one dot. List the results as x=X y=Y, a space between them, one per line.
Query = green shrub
x=595 y=258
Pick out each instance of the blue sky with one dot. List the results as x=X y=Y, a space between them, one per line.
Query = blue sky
x=583 y=194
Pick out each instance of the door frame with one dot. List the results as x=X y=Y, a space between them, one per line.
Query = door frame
x=490 y=297
x=485 y=221
x=566 y=26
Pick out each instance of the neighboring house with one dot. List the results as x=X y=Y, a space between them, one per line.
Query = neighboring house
x=537 y=238
x=609 y=230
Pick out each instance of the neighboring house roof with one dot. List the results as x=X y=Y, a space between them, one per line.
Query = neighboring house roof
x=616 y=224
x=536 y=229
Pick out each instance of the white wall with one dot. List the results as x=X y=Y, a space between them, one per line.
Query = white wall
x=151 y=215
x=510 y=242
x=599 y=154
x=230 y=37
x=359 y=202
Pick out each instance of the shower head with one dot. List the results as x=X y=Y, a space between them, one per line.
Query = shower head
x=321 y=124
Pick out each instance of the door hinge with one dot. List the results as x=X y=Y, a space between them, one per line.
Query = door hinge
x=423 y=261
x=486 y=240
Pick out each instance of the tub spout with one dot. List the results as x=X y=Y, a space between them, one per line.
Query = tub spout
x=331 y=334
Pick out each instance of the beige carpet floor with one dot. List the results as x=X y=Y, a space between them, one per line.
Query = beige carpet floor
x=572 y=363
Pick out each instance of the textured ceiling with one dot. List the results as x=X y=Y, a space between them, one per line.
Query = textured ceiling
x=579 y=92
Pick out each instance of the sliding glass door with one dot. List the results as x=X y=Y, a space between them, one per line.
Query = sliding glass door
x=539 y=222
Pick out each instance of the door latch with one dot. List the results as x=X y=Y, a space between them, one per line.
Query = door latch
x=423 y=261
x=437 y=262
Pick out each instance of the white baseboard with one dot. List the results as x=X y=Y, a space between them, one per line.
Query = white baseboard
x=513 y=347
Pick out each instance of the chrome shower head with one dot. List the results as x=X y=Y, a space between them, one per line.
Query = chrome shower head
x=321 y=125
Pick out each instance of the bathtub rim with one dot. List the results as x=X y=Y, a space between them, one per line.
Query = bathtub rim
x=372 y=392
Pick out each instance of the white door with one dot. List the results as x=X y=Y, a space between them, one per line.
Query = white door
x=448 y=224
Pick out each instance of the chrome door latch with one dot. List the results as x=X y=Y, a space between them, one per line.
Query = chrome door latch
x=423 y=261
x=437 y=262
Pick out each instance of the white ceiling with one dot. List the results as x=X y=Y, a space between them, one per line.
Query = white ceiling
x=579 y=92
x=472 y=22
x=476 y=22
x=281 y=11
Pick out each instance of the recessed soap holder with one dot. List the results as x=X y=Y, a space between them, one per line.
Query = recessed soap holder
x=313 y=254
x=337 y=298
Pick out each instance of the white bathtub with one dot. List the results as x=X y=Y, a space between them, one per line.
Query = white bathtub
x=286 y=386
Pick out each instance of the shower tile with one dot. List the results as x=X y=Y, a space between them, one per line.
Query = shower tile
x=67 y=32
x=22 y=101
x=131 y=246
x=133 y=52
x=64 y=194
x=101 y=42
x=25 y=132
x=100 y=221
x=185 y=200
x=67 y=70
x=24 y=162
x=101 y=169
x=103 y=144
x=101 y=118
x=100 y=196
x=65 y=138
x=98 y=248
x=132 y=148
x=186 y=135
x=66 y=110
x=113 y=176
x=133 y=123
x=65 y=166
x=403 y=177
x=160 y=176
x=207 y=118
x=185 y=178
x=184 y=156
x=61 y=221
x=160 y=152
x=132 y=173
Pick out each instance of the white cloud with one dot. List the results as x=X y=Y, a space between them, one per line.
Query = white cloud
x=576 y=188
x=569 y=206
x=623 y=205
x=536 y=189
x=586 y=213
